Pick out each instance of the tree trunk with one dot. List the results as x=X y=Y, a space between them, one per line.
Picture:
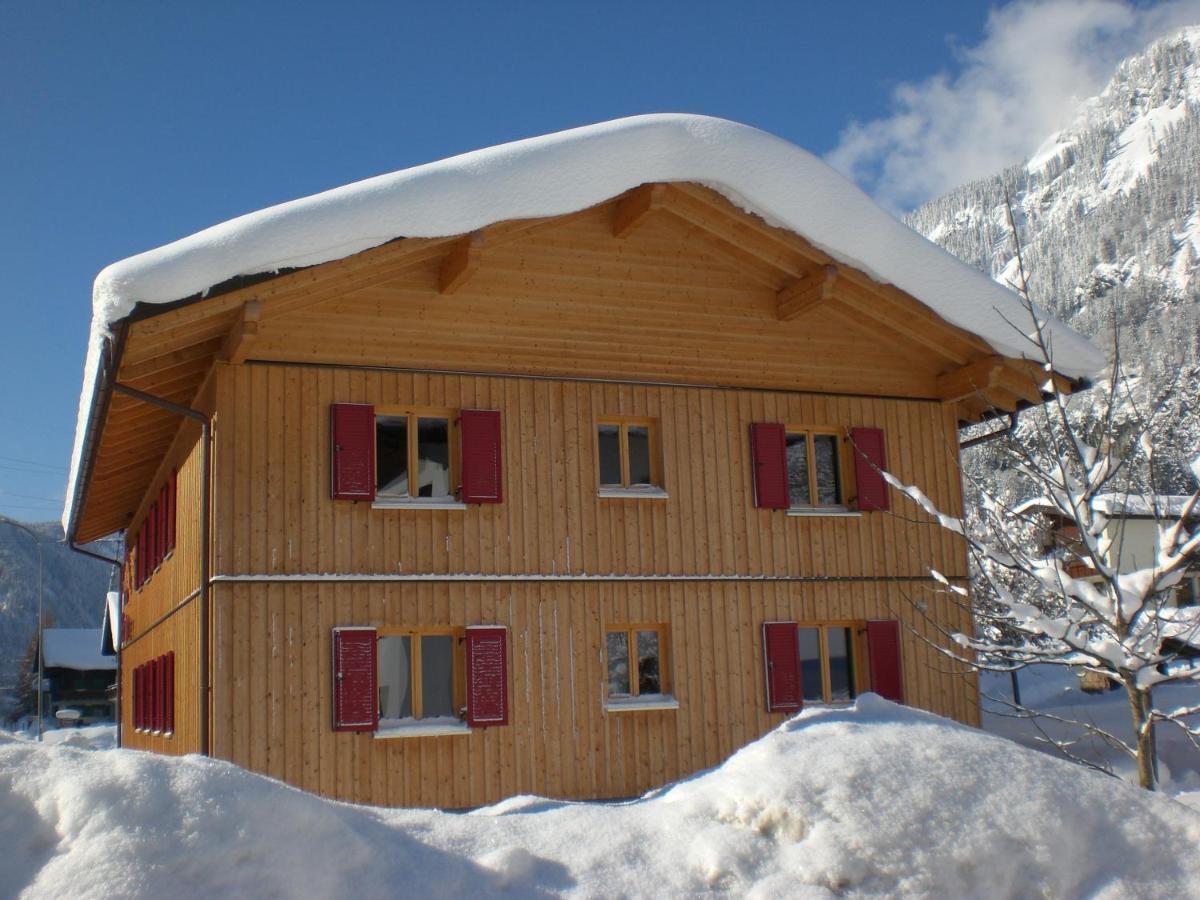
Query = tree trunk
x=1147 y=756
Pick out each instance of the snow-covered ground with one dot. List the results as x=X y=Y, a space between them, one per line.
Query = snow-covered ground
x=873 y=799
x=1055 y=690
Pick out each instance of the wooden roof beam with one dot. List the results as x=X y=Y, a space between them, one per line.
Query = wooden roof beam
x=969 y=380
x=460 y=263
x=632 y=209
x=241 y=337
x=802 y=295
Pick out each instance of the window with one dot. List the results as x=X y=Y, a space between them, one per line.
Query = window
x=827 y=663
x=412 y=455
x=417 y=677
x=1188 y=592
x=636 y=662
x=628 y=456
x=814 y=469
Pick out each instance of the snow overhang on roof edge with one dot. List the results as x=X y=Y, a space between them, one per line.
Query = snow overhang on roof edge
x=562 y=173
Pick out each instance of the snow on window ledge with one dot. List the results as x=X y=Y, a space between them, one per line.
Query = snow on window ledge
x=636 y=704
x=406 y=728
x=416 y=503
x=824 y=511
x=649 y=492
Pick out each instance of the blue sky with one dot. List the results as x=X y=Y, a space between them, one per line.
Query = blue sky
x=126 y=125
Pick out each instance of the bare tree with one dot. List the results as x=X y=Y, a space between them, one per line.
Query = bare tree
x=1066 y=601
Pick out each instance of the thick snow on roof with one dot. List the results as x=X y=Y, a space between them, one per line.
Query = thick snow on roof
x=562 y=173
x=875 y=800
x=1117 y=505
x=75 y=648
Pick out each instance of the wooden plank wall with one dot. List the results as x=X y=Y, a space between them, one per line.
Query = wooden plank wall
x=272 y=709
x=274 y=514
x=180 y=634
x=177 y=578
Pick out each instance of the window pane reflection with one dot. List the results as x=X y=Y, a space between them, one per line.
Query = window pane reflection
x=841 y=672
x=609 y=437
x=437 y=675
x=433 y=457
x=395 y=681
x=810 y=664
x=826 y=458
x=618 y=663
x=649 y=677
x=639 y=454
x=797 y=467
x=391 y=455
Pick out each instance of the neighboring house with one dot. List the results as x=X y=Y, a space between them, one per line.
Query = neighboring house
x=552 y=468
x=77 y=674
x=1131 y=536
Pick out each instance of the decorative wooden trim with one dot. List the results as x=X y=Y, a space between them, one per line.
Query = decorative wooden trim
x=460 y=263
x=240 y=339
x=632 y=209
x=802 y=295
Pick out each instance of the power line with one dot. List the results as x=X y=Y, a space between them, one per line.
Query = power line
x=33 y=462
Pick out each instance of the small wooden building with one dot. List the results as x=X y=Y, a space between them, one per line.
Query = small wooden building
x=549 y=469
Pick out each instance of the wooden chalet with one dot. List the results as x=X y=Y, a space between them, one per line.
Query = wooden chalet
x=571 y=505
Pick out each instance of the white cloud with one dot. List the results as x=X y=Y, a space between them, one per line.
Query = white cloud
x=1020 y=84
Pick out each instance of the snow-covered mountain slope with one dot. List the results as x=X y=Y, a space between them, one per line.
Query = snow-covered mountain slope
x=872 y=800
x=1108 y=213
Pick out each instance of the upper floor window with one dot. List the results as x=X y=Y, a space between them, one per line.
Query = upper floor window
x=412 y=454
x=628 y=457
x=814 y=468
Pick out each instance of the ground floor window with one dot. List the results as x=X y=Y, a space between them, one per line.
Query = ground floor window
x=636 y=660
x=418 y=676
x=827 y=660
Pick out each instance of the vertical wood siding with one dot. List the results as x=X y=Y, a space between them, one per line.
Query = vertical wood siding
x=275 y=515
x=272 y=696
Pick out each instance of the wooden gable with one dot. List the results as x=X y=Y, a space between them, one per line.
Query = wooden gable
x=667 y=283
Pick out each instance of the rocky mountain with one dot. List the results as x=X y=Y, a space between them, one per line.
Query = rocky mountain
x=74 y=587
x=1107 y=212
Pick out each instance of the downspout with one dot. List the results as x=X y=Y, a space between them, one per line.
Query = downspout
x=205 y=513
x=117 y=647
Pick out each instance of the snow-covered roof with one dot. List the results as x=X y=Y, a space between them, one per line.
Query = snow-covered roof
x=1140 y=505
x=110 y=628
x=74 y=648
x=561 y=173
x=1116 y=505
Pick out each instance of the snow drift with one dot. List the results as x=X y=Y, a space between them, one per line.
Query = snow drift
x=874 y=799
x=561 y=173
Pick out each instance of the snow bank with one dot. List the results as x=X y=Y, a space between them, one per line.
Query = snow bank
x=561 y=173
x=877 y=799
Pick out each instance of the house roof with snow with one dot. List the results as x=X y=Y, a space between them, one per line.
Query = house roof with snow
x=75 y=648
x=1116 y=505
x=548 y=176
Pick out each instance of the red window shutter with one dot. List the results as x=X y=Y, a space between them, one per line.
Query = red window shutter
x=870 y=458
x=781 y=649
x=151 y=528
x=355 y=696
x=157 y=669
x=352 y=451
x=140 y=566
x=487 y=675
x=768 y=452
x=162 y=523
x=172 y=487
x=482 y=476
x=169 y=693
x=883 y=649
x=137 y=698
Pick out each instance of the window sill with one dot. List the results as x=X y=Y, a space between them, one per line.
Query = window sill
x=637 y=704
x=409 y=728
x=838 y=511
x=396 y=503
x=633 y=493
